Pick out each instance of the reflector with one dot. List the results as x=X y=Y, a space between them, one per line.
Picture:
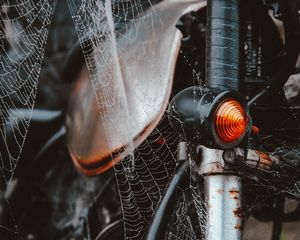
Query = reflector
x=230 y=120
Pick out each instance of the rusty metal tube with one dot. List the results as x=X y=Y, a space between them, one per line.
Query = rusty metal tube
x=224 y=207
x=222 y=191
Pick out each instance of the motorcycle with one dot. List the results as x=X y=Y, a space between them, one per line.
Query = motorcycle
x=193 y=104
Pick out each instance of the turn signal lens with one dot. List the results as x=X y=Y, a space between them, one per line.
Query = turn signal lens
x=230 y=120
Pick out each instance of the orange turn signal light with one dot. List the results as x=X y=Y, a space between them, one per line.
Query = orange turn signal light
x=230 y=120
x=211 y=117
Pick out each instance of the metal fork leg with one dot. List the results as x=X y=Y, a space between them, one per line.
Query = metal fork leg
x=223 y=195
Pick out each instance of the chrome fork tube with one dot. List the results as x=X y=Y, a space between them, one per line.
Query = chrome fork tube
x=224 y=207
x=223 y=196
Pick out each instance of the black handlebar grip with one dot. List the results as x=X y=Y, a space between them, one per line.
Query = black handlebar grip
x=223 y=48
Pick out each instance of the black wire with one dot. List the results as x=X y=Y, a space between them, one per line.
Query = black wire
x=277 y=222
x=159 y=222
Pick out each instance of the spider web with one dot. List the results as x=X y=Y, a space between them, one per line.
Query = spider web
x=23 y=33
x=143 y=175
x=24 y=29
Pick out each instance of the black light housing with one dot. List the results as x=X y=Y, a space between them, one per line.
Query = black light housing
x=210 y=117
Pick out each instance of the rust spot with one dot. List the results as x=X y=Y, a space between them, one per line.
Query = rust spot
x=221 y=191
x=234 y=193
x=234 y=190
x=215 y=167
x=263 y=155
x=264 y=159
x=238 y=227
x=238 y=212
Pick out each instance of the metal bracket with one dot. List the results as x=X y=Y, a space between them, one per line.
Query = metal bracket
x=215 y=161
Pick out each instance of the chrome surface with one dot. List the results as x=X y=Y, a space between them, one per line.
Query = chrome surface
x=147 y=65
x=224 y=207
x=223 y=197
x=211 y=161
x=214 y=161
x=182 y=151
x=36 y=114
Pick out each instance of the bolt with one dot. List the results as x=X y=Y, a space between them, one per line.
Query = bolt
x=229 y=156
